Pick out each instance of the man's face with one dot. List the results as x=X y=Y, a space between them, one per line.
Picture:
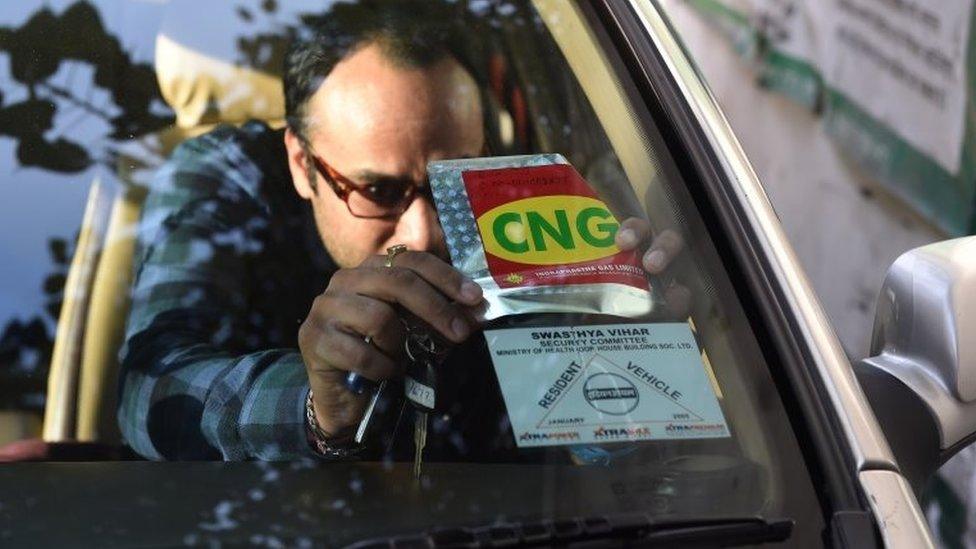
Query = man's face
x=373 y=121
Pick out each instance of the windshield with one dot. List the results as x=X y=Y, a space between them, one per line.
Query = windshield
x=432 y=256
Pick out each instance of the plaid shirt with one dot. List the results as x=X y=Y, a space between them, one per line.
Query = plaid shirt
x=228 y=264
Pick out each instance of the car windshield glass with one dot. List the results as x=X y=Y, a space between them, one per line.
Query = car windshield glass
x=433 y=256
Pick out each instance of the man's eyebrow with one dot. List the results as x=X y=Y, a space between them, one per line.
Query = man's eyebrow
x=370 y=177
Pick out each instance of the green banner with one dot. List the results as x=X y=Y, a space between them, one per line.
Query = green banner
x=891 y=80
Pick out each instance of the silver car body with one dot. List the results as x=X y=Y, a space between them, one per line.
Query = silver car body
x=897 y=512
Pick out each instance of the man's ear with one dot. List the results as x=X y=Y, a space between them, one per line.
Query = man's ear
x=297 y=165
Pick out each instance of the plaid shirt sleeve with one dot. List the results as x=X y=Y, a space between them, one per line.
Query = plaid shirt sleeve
x=190 y=389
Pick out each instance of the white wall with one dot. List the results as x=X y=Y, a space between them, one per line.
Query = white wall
x=845 y=229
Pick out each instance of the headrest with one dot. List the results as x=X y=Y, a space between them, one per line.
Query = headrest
x=222 y=61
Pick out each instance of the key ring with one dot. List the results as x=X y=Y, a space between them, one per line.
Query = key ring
x=424 y=343
x=419 y=342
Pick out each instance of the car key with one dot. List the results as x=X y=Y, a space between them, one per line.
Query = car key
x=419 y=442
x=420 y=385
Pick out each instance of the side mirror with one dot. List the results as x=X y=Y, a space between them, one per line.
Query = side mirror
x=921 y=375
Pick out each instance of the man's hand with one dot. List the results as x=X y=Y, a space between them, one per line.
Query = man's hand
x=362 y=302
x=664 y=248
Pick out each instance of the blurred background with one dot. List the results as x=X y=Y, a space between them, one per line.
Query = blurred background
x=856 y=114
x=858 y=118
x=859 y=164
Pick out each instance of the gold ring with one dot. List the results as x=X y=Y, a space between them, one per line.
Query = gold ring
x=392 y=252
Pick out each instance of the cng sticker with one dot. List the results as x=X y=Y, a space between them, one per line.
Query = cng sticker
x=549 y=230
x=545 y=226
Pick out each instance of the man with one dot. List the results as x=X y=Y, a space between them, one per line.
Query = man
x=263 y=281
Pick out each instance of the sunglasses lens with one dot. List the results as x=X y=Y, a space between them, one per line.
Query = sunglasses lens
x=380 y=200
x=387 y=194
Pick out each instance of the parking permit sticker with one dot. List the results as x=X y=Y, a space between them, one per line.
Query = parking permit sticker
x=607 y=383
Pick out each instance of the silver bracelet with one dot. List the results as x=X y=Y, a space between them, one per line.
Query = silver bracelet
x=321 y=442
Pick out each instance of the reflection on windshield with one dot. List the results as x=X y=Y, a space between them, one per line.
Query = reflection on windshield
x=130 y=109
x=67 y=107
x=252 y=267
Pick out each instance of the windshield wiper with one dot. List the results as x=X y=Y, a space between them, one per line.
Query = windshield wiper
x=635 y=528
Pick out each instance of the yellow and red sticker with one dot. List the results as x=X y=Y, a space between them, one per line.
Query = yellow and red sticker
x=544 y=225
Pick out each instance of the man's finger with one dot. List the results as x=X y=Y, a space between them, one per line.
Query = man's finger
x=665 y=247
x=367 y=317
x=631 y=233
x=443 y=277
x=338 y=349
x=406 y=287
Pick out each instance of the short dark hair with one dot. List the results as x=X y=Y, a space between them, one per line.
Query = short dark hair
x=411 y=34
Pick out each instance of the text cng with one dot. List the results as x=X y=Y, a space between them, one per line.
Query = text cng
x=549 y=230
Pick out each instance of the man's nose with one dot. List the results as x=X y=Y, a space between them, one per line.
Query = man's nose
x=419 y=228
